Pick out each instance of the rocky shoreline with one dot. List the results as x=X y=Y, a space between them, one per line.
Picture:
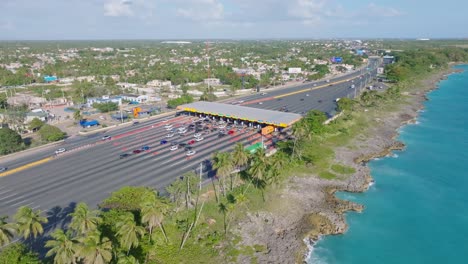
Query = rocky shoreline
x=307 y=207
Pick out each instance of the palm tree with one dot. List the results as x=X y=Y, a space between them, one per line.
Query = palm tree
x=95 y=249
x=276 y=163
x=152 y=213
x=7 y=231
x=259 y=170
x=84 y=220
x=222 y=162
x=128 y=232
x=224 y=210
x=63 y=247
x=240 y=157
x=124 y=259
x=29 y=222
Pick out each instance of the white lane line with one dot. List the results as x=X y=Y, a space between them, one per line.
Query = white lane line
x=14 y=205
x=14 y=199
x=9 y=190
x=35 y=207
x=4 y=197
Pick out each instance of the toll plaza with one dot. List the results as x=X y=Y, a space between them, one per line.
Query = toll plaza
x=267 y=120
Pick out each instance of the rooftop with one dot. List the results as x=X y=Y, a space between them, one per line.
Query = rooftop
x=245 y=113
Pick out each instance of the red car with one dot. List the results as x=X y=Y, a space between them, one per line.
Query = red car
x=231 y=132
x=191 y=142
x=136 y=151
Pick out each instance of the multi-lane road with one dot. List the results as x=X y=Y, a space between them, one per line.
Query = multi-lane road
x=91 y=168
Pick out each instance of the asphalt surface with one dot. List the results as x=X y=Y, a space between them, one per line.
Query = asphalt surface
x=91 y=169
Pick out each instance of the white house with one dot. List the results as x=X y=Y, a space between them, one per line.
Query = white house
x=212 y=81
x=135 y=98
x=104 y=99
x=159 y=83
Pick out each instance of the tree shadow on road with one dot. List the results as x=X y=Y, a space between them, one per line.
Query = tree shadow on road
x=57 y=217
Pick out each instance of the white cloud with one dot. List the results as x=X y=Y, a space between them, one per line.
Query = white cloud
x=117 y=8
x=382 y=11
x=202 y=10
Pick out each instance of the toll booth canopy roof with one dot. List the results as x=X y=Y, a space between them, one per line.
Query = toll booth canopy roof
x=250 y=114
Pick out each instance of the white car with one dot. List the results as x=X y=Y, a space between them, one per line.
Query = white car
x=190 y=153
x=169 y=135
x=2 y=169
x=197 y=135
x=199 y=139
x=168 y=126
x=60 y=150
x=182 y=131
x=307 y=94
x=222 y=127
x=106 y=138
x=175 y=147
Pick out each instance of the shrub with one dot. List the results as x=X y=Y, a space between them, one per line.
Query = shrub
x=51 y=133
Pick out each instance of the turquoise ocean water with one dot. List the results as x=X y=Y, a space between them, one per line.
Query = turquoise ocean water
x=417 y=210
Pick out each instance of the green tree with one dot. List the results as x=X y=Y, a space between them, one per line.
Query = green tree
x=128 y=198
x=128 y=232
x=63 y=247
x=106 y=107
x=152 y=213
x=223 y=165
x=17 y=253
x=51 y=133
x=10 y=141
x=184 y=99
x=240 y=157
x=222 y=208
x=3 y=101
x=84 y=220
x=29 y=222
x=7 y=231
x=95 y=249
x=345 y=104
x=36 y=123
x=77 y=115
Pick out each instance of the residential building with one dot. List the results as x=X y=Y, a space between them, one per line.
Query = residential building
x=104 y=99
x=212 y=81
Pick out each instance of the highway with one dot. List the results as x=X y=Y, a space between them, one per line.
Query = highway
x=91 y=168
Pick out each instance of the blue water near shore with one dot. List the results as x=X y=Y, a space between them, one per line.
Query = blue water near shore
x=417 y=211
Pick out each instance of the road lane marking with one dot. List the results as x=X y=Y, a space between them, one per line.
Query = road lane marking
x=16 y=198
x=5 y=191
x=310 y=89
x=4 y=197
x=22 y=201
x=24 y=167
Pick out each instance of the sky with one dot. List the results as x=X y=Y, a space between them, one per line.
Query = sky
x=231 y=19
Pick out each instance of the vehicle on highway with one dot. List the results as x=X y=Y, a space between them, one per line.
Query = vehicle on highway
x=162 y=142
x=169 y=135
x=263 y=93
x=307 y=94
x=302 y=99
x=337 y=99
x=175 y=147
x=315 y=84
x=188 y=148
x=136 y=151
x=122 y=156
x=260 y=103
x=174 y=143
x=319 y=101
x=199 y=139
x=136 y=123
x=221 y=135
x=106 y=138
x=2 y=169
x=145 y=148
x=190 y=153
x=222 y=126
x=197 y=135
x=231 y=132
x=168 y=126
x=60 y=150
x=165 y=120
x=191 y=142
x=182 y=144
x=327 y=81
x=170 y=129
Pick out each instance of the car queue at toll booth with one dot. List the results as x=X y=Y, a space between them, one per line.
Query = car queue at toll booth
x=264 y=129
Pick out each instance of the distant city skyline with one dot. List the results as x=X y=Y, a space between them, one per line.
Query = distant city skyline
x=231 y=19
